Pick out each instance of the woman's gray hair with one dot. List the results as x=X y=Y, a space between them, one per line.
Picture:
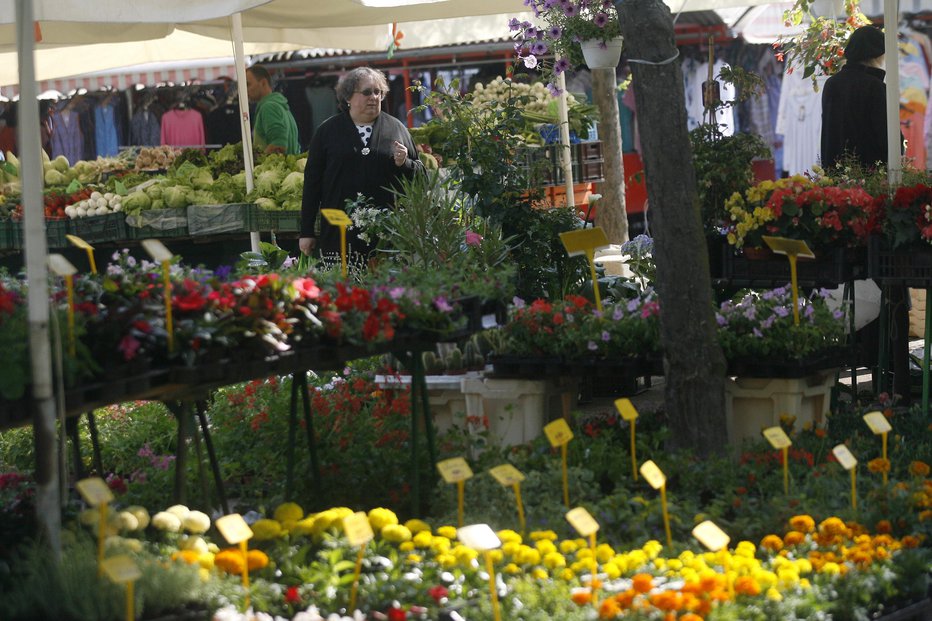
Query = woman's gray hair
x=349 y=82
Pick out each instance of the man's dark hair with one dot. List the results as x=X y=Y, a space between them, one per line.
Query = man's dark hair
x=261 y=73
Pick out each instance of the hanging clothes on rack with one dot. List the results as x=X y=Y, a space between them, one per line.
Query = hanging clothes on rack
x=914 y=94
x=67 y=138
x=105 y=127
x=799 y=121
x=145 y=127
x=182 y=127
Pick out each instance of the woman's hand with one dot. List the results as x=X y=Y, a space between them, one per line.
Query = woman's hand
x=400 y=153
x=307 y=245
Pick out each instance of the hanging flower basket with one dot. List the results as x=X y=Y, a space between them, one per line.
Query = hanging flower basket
x=601 y=55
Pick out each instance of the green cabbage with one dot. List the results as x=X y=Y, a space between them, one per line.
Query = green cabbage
x=267 y=203
x=136 y=202
x=268 y=181
x=154 y=191
x=293 y=184
x=61 y=164
x=176 y=197
x=54 y=177
x=300 y=164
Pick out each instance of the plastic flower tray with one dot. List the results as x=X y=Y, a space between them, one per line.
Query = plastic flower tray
x=830 y=268
x=109 y=227
x=158 y=223
x=287 y=221
x=222 y=219
x=911 y=267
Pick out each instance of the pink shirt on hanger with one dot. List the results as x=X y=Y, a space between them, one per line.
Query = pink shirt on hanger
x=182 y=128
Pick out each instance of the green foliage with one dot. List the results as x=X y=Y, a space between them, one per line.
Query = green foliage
x=269 y=259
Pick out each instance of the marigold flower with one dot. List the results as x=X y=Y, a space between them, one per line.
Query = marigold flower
x=609 y=609
x=772 y=542
x=538 y=535
x=883 y=527
x=288 y=512
x=396 y=533
x=581 y=597
x=879 y=465
x=230 y=561
x=447 y=531
x=256 y=559
x=746 y=585
x=196 y=522
x=919 y=468
x=265 y=529
x=188 y=556
x=667 y=600
x=802 y=523
x=832 y=527
x=642 y=583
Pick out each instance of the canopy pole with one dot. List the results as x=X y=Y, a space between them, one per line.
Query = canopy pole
x=239 y=59
x=566 y=155
x=891 y=64
x=48 y=503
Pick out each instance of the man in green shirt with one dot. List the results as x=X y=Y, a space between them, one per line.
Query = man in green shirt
x=275 y=130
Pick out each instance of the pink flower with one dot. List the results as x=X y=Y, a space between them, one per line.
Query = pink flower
x=129 y=346
x=473 y=238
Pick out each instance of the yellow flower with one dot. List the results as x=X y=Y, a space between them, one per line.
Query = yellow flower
x=407 y=546
x=288 y=512
x=396 y=533
x=447 y=531
x=304 y=527
x=414 y=559
x=611 y=570
x=545 y=546
x=774 y=595
x=416 y=526
x=879 y=465
x=832 y=569
x=423 y=539
x=604 y=552
x=496 y=556
x=568 y=546
x=511 y=548
x=772 y=543
x=266 y=529
x=508 y=536
x=464 y=555
x=379 y=518
x=511 y=568
x=652 y=548
x=447 y=560
x=538 y=535
x=567 y=574
x=540 y=574
x=440 y=544
x=553 y=560
x=527 y=555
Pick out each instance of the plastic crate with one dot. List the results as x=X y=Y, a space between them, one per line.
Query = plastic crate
x=830 y=268
x=288 y=221
x=157 y=223
x=6 y=234
x=222 y=219
x=911 y=267
x=56 y=231
x=588 y=151
x=109 y=227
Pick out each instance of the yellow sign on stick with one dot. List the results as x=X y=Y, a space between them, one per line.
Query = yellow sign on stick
x=63 y=267
x=340 y=220
x=792 y=248
x=454 y=469
x=358 y=529
x=582 y=521
x=506 y=475
x=652 y=474
x=630 y=414
x=587 y=241
x=711 y=536
x=94 y=491
x=848 y=461
x=780 y=441
x=83 y=245
x=558 y=432
x=122 y=570
x=233 y=528
x=877 y=422
x=479 y=537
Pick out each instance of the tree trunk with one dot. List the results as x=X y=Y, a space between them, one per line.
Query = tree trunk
x=694 y=365
x=611 y=214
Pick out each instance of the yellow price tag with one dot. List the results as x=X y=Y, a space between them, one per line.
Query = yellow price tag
x=454 y=470
x=94 y=491
x=479 y=537
x=506 y=474
x=877 y=422
x=78 y=242
x=777 y=437
x=582 y=521
x=61 y=266
x=233 y=528
x=844 y=456
x=157 y=250
x=626 y=409
x=336 y=217
x=584 y=241
x=653 y=475
x=787 y=246
x=121 y=569
x=558 y=432
x=357 y=528
x=711 y=536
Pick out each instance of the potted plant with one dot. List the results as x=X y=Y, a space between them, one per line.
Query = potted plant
x=562 y=27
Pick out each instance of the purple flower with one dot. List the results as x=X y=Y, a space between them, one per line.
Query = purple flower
x=607 y=4
x=396 y=292
x=555 y=32
x=570 y=10
x=600 y=19
x=442 y=305
x=514 y=24
x=538 y=48
x=592 y=346
x=633 y=305
x=809 y=311
x=837 y=314
x=767 y=323
x=618 y=313
x=767 y=295
x=758 y=333
x=530 y=32
x=554 y=90
x=750 y=312
x=781 y=311
x=606 y=337
x=560 y=66
x=721 y=321
x=223 y=271
x=517 y=302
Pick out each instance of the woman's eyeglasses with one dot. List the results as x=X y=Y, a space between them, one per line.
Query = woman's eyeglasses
x=369 y=92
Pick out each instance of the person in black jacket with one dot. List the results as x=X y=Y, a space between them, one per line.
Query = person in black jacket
x=854 y=104
x=359 y=150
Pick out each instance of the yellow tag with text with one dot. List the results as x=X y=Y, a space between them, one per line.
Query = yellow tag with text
x=582 y=521
x=157 y=250
x=558 y=432
x=844 y=456
x=357 y=528
x=121 y=569
x=711 y=536
x=584 y=241
x=479 y=537
x=61 y=266
x=507 y=475
x=336 y=217
x=652 y=474
x=233 y=528
x=454 y=469
x=777 y=437
x=78 y=242
x=94 y=491
x=626 y=409
x=785 y=245
x=877 y=422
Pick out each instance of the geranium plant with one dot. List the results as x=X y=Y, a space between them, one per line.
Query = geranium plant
x=819 y=48
x=905 y=217
x=561 y=26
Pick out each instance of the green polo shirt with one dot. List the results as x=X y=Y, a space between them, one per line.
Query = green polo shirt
x=275 y=125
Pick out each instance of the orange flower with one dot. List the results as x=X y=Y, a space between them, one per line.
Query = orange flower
x=667 y=600
x=772 y=542
x=746 y=585
x=642 y=583
x=256 y=559
x=609 y=609
x=919 y=469
x=626 y=598
x=883 y=527
x=690 y=617
x=910 y=541
x=581 y=597
x=230 y=561
x=794 y=537
x=879 y=465
x=832 y=527
x=188 y=556
x=802 y=523
x=712 y=582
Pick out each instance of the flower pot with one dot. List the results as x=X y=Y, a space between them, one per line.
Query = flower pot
x=601 y=55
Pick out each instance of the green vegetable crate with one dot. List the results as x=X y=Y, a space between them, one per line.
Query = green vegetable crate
x=6 y=234
x=222 y=219
x=157 y=223
x=13 y=236
x=55 y=232
x=288 y=221
x=109 y=227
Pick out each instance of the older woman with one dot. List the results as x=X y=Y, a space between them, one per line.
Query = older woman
x=360 y=150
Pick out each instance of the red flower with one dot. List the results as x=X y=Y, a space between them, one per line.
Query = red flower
x=397 y=614
x=438 y=592
x=190 y=298
x=292 y=596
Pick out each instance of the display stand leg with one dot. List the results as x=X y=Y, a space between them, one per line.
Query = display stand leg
x=95 y=444
x=180 y=410
x=927 y=342
x=212 y=456
x=419 y=376
x=292 y=437
x=848 y=296
x=199 y=456
x=309 y=423
x=71 y=429
x=880 y=383
x=415 y=471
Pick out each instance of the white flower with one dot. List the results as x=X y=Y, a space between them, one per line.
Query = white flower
x=141 y=515
x=125 y=520
x=196 y=522
x=179 y=510
x=165 y=521
x=530 y=61
x=196 y=544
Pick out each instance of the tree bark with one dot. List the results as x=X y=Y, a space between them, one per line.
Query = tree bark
x=611 y=213
x=694 y=365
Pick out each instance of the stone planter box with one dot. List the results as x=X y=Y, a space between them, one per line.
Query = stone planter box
x=755 y=403
x=444 y=397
